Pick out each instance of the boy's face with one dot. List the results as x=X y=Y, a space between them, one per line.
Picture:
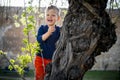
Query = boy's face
x=51 y=17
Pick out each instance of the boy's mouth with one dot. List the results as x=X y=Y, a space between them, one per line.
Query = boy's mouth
x=50 y=20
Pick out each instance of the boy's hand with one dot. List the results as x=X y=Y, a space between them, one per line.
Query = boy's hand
x=48 y=33
x=51 y=29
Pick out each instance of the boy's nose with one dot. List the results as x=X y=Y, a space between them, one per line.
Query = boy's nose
x=50 y=16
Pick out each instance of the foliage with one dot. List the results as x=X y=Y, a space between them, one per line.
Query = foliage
x=28 y=20
x=1 y=52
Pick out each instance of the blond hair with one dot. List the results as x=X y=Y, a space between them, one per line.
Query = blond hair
x=54 y=8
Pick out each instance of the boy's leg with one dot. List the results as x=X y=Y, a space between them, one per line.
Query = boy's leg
x=39 y=69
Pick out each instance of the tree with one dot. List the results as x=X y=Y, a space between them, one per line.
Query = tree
x=87 y=31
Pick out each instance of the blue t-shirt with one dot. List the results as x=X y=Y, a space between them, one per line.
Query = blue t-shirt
x=48 y=46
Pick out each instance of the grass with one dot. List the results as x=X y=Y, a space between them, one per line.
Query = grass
x=102 y=75
x=12 y=75
x=90 y=75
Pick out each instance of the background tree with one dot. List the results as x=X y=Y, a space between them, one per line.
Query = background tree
x=87 y=31
x=30 y=48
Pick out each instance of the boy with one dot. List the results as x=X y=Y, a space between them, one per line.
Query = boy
x=47 y=37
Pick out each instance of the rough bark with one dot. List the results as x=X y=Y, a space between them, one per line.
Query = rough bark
x=86 y=32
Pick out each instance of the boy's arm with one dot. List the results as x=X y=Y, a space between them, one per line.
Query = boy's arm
x=45 y=36
x=41 y=36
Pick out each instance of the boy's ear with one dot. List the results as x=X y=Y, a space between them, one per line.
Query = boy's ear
x=59 y=18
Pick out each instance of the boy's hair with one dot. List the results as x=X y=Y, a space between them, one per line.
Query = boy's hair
x=54 y=8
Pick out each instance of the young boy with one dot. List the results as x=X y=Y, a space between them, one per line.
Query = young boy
x=47 y=37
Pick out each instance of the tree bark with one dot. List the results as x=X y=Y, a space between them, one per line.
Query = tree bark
x=86 y=32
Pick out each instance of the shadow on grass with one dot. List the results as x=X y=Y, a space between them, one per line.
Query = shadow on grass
x=12 y=75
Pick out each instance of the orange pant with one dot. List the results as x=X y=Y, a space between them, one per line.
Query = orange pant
x=39 y=68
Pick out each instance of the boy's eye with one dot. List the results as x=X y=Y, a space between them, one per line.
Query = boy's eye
x=47 y=14
x=53 y=15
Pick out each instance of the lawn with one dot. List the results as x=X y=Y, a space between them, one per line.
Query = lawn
x=102 y=75
x=90 y=75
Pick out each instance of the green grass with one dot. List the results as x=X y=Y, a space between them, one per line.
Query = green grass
x=9 y=75
x=102 y=75
x=90 y=75
x=14 y=74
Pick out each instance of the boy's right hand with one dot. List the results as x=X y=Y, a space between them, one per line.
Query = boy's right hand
x=51 y=30
x=48 y=33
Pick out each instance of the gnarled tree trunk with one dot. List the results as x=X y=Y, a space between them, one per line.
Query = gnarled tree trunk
x=87 y=31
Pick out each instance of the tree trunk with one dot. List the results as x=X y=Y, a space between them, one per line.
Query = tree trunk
x=86 y=32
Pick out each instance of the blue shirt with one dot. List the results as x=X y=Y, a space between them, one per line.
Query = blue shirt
x=48 y=46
